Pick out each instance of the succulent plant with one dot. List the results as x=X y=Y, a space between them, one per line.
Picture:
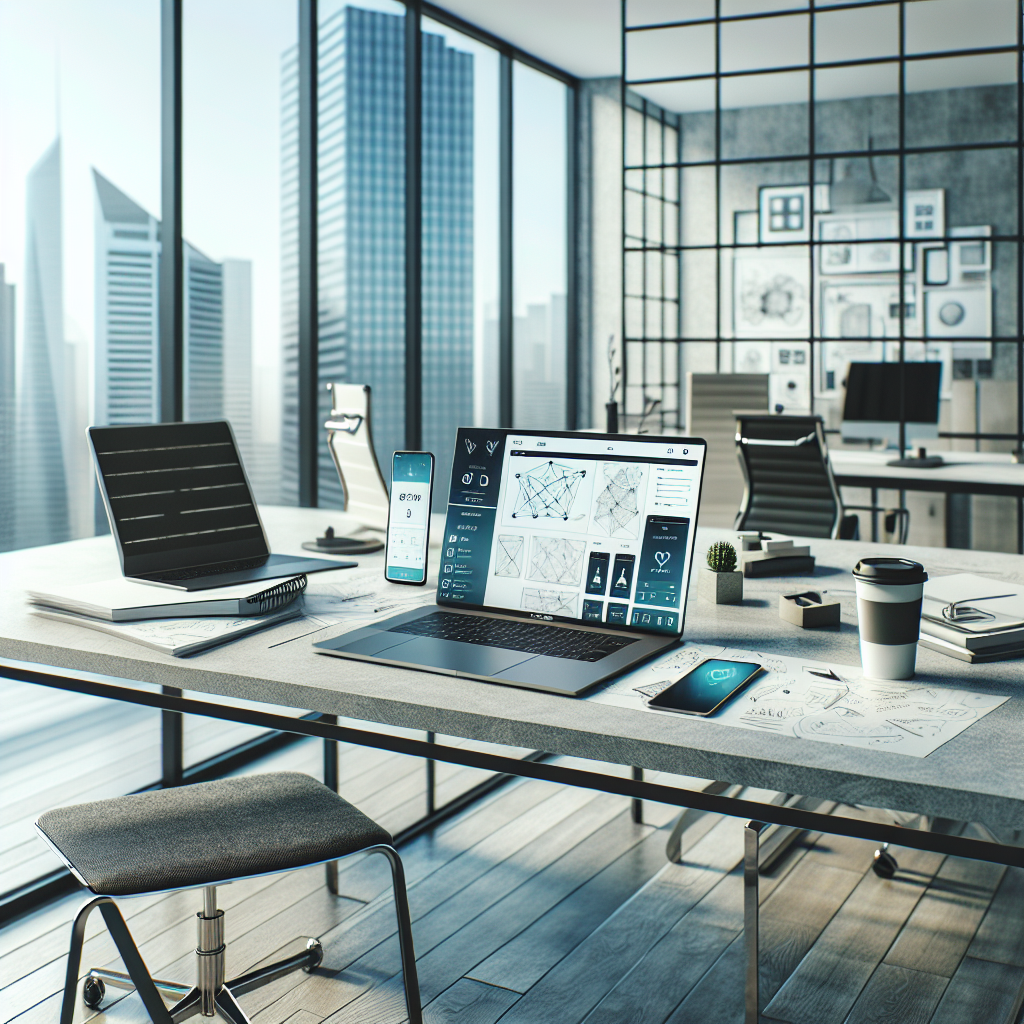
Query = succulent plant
x=721 y=557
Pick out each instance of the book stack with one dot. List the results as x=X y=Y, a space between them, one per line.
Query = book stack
x=767 y=556
x=973 y=619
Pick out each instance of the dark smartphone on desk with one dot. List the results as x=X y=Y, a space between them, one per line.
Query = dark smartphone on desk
x=412 y=487
x=706 y=687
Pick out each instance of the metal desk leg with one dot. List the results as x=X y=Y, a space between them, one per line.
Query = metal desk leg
x=751 y=842
x=638 y=805
x=874 y=515
x=431 y=781
x=331 y=782
x=674 y=846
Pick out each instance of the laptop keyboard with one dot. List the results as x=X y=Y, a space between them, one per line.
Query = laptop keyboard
x=529 y=637
x=209 y=570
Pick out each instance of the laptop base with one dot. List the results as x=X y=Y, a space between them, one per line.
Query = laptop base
x=564 y=676
x=275 y=567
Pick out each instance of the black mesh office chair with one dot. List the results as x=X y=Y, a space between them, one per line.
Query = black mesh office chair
x=788 y=483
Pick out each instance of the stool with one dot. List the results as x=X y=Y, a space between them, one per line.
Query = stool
x=202 y=836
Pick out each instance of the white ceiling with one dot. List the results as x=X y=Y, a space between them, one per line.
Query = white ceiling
x=583 y=38
x=578 y=36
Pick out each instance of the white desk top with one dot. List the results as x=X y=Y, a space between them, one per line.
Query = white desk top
x=976 y=776
x=992 y=471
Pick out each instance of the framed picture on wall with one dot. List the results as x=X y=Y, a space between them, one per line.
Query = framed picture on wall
x=771 y=293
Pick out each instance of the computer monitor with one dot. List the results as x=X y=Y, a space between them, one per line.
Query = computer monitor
x=872 y=407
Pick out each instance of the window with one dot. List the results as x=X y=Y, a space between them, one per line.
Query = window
x=848 y=190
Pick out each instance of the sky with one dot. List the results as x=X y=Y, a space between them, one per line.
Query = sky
x=90 y=72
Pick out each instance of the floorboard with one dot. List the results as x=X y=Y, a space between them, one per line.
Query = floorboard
x=546 y=904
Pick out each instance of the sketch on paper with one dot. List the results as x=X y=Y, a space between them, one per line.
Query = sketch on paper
x=816 y=701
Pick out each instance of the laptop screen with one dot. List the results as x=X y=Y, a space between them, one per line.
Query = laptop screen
x=591 y=528
x=176 y=495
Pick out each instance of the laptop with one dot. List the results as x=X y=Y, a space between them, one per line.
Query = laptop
x=181 y=509
x=565 y=561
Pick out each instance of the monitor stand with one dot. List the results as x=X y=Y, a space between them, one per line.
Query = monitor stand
x=922 y=460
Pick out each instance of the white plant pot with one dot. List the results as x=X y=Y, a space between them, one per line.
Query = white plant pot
x=720 y=587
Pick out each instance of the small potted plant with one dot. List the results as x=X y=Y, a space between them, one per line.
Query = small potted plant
x=721 y=582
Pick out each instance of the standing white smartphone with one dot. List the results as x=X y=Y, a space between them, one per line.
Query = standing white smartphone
x=412 y=488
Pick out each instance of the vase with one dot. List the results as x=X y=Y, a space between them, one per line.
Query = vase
x=720 y=587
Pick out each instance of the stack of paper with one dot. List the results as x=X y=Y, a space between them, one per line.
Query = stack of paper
x=972 y=618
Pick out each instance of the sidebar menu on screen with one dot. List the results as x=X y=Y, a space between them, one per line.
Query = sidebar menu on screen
x=469 y=525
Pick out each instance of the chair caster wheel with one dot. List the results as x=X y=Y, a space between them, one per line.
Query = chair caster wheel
x=885 y=864
x=317 y=949
x=93 y=991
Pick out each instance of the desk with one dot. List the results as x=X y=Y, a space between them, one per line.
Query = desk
x=973 y=777
x=964 y=473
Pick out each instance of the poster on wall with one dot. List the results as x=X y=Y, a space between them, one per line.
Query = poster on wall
x=771 y=294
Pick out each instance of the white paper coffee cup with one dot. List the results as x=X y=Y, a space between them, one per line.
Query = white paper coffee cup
x=889 y=592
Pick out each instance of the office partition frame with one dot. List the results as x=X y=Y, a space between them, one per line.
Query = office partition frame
x=637 y=346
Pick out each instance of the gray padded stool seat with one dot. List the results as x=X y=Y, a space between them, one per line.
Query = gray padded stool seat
x=203 y=836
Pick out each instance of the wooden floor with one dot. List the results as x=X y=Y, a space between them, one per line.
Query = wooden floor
x=545 y=904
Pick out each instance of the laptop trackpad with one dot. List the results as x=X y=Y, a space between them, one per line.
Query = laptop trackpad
x=373 y=644
x=469 y=659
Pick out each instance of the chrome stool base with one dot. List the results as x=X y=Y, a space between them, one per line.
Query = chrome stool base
x=211 y=996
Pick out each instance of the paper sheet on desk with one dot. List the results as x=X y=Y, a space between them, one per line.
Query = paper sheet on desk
x=362 y=596
x=816 y=701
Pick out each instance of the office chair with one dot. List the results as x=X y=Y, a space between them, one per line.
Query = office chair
x=199 y=837
x=788 y=483
x=710 y=401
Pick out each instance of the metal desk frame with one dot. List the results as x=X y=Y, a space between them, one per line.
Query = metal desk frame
x=759 y=814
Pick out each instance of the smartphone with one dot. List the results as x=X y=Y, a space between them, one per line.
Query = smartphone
x=412 y=488
x=706 y=687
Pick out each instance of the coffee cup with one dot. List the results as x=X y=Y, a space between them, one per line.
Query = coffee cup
x=889 y=592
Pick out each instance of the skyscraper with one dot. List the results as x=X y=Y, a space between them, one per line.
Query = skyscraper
x=7 y=420
x=239 y=398
x=204 y=334
x=44 y=439
x=127 y=291
x=127 y=298
x=362 y=235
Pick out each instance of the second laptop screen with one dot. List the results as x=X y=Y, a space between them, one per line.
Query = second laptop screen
x=587 y=529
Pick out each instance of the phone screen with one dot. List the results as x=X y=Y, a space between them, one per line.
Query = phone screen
x=706 y=687
x=412 y=478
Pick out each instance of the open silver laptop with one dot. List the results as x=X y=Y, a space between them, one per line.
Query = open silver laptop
x=565 y=561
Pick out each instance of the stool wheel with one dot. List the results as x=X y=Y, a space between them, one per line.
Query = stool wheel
x=885 y=864
x=93 y=991
x=317 y=955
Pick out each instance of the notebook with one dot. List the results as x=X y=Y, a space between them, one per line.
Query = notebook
x=125 y=600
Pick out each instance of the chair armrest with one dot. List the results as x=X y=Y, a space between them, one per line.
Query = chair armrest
x=902 y=514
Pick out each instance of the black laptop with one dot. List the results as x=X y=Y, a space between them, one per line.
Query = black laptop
x=565 y=561
x=181 y=509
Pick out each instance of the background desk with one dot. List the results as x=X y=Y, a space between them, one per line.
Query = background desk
x=990 y=473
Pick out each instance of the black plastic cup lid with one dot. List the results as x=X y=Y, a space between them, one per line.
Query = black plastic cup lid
x=890 y=571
